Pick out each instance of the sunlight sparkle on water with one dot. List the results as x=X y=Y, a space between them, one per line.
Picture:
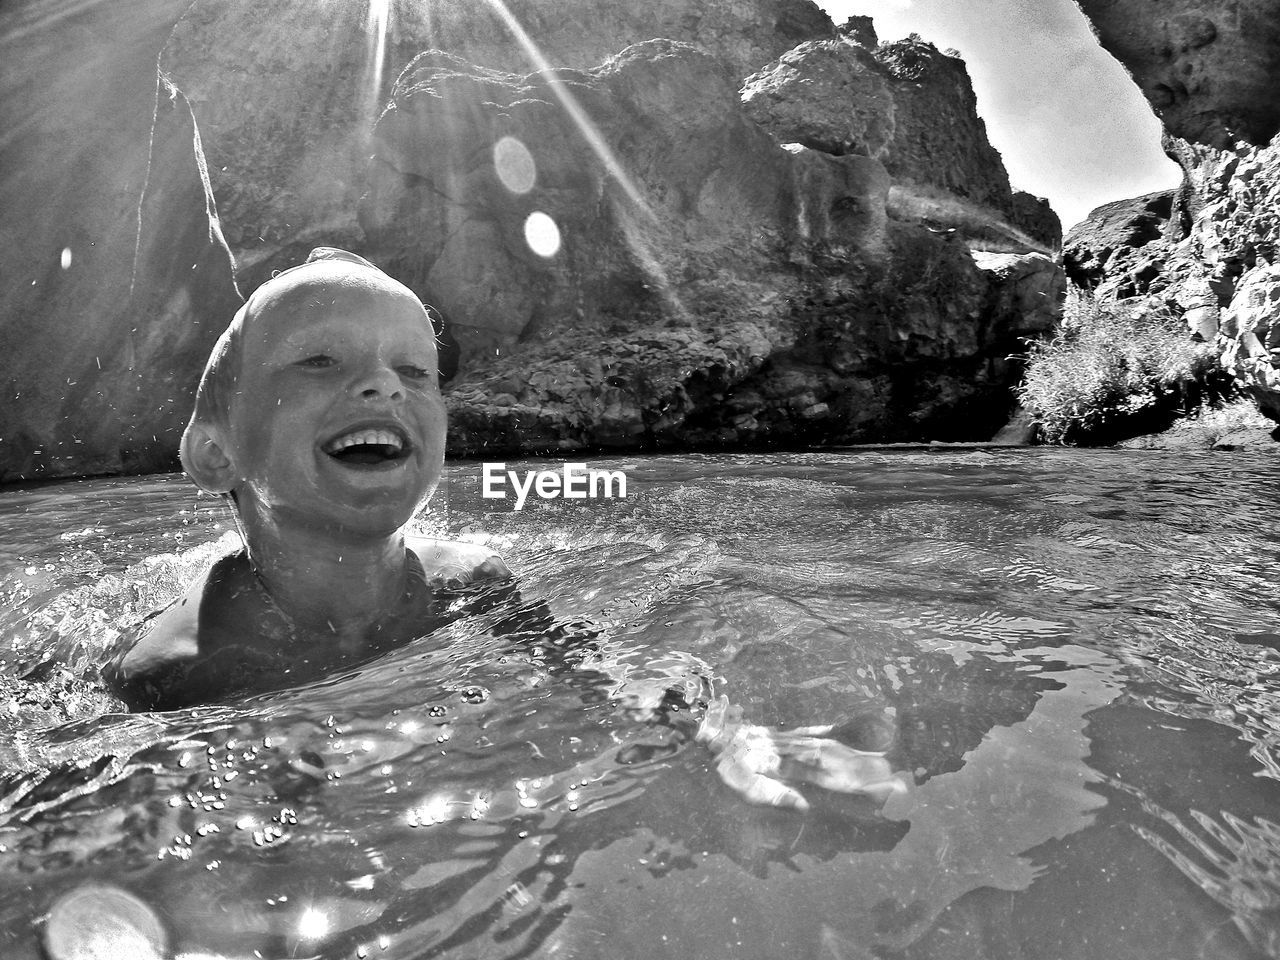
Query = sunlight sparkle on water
x=435 y=810
x=313 y=924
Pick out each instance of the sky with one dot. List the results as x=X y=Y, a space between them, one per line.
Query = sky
x=1068 y=120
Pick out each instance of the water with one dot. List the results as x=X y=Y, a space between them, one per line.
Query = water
x=1080 y=646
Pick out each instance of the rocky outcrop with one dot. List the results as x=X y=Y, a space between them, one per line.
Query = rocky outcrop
x=911 y=107
x=1208 y=69
x=939 y=138
x=1207 y=251
x=287 y=157
x=710 y=287
x=1035 y=218
x=1107 y=244
x=116 y=282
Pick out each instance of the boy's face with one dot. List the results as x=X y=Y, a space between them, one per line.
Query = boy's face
x=337 y=421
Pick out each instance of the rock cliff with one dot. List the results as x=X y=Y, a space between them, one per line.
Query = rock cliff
x=116 y=282
x=711 y=287
x=655 y=244
x=1208 y=251
x=287 y=159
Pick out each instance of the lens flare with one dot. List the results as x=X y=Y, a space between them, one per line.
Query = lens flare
x=585 y=126
x=542 y=234
x=514 y=165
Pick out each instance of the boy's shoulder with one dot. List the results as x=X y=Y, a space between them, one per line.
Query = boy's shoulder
x=197 y=642
x=160 y=649
x=457 y=560
x=169 y=635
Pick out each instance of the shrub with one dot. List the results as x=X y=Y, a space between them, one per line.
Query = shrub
x=1115 y=372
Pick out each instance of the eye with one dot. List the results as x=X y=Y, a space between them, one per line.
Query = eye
x=414 y=372
x=317 y=361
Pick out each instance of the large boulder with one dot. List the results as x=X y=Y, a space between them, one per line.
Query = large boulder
x=653 y=162
x=1208 y=69
x=829 y=95
x=1026 y=291
x=1250 y=333
x=116 y=279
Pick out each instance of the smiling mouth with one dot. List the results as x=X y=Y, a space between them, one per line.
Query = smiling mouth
x=368 y=448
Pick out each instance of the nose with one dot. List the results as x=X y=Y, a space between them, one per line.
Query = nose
x=378 y=382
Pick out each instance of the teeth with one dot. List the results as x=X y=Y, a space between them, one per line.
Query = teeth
x=361 y=437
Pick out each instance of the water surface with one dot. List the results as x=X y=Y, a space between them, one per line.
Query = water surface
x=1079 y=649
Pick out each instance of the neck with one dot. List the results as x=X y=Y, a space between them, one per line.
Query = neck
x=344 y=587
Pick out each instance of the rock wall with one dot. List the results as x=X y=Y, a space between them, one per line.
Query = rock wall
x=116 y=282
x=712 y=288
x=624 y=253
x=287 y=157
x=1208 y=251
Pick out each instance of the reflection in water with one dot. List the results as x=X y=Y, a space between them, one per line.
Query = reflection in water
x=1084 y=708
x=1235 y=862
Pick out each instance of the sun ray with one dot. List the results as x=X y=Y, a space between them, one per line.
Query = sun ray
x=586 y=127
x=376 y=23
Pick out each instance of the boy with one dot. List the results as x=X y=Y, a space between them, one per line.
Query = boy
x=319 y=414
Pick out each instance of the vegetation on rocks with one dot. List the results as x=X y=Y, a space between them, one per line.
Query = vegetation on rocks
x=1114 y=372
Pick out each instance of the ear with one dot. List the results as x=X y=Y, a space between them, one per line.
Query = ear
x=205 y=458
